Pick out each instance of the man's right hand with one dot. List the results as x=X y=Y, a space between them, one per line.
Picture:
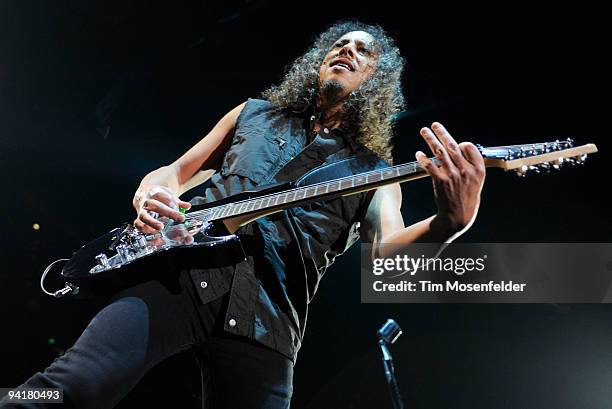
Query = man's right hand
x=158 y=200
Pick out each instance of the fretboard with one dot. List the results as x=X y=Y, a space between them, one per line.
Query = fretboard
x=320 y=191
x=540 y=153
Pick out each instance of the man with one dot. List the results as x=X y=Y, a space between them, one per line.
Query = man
x=246 y=322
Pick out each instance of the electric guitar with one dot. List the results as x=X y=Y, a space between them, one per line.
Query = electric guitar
x=125 y=256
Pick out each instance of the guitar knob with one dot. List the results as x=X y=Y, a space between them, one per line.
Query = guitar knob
x=102 y=260
x=141 y=242
x=124 y=253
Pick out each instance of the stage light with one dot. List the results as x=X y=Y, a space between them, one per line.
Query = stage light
x=51 y=341
x=36 y=226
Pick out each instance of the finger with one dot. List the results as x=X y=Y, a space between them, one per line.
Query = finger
x=149 y=220
x=184 y=205
x=449 y=143
x=164 y=197
x=473 y=156
x=471 y=153
x=163 y=210
x=143 y=227
x=426 y=163
x=437 y=148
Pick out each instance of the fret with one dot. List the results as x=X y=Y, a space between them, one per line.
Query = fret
x=224 y=210
x=313 y=191
x=214 y=212
x=241 y=207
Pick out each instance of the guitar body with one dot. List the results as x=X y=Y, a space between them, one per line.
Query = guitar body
x=103 y=267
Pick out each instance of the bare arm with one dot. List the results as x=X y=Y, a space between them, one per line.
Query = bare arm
x=384 y=225
x=160 y=189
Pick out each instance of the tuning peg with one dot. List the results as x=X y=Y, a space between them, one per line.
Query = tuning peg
x=522 y=171
x=557 y=163
x=571 y=161
x=535 y=169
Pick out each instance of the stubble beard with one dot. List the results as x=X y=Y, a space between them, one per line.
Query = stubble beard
x=331 y=92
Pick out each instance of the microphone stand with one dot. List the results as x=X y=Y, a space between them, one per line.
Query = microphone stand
x=387 y=335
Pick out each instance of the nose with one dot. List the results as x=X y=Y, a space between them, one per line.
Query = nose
x=348 y=50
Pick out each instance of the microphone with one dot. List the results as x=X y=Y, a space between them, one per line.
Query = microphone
x=389 y=332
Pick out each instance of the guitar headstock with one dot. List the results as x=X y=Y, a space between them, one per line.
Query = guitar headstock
x=536 y=156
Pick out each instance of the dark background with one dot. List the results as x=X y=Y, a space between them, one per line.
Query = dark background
x=95 y=94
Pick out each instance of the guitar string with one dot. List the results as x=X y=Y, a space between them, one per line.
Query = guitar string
x=197 y=215
x=415 y=165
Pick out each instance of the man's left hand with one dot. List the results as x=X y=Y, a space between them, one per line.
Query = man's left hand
x=457 y=181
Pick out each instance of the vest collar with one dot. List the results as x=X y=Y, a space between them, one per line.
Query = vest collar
x=310 y=113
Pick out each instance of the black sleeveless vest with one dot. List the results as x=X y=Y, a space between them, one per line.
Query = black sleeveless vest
x=269 y=294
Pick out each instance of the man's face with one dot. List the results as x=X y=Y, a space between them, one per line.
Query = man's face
x=347 y=64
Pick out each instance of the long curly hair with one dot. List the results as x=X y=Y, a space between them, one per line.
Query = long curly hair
x=369 y=110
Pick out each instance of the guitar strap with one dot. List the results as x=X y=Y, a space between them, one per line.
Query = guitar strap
x=335 y=165
x=349 y=166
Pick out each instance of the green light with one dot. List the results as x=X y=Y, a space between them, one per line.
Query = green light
x=51 y=341
x=182 y=210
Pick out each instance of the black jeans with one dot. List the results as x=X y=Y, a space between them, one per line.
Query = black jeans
x=148 y=323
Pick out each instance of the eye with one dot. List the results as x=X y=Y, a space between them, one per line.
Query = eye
x=364 y=50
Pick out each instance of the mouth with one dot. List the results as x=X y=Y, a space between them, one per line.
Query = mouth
x=342 y=64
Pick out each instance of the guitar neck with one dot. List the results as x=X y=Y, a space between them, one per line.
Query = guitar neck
x=519 y=158
x=320 y=191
